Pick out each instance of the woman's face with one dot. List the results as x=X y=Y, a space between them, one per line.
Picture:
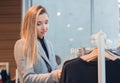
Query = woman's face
x=42 y=25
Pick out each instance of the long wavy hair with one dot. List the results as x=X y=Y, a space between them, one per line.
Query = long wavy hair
x=29 y=32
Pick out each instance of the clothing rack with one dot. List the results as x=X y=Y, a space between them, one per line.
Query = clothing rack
x=101 y=58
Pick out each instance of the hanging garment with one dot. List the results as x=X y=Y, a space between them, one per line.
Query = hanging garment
x=5 y=76
x=80 y=71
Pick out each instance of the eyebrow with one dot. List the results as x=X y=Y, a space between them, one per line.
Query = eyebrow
x=41 y=21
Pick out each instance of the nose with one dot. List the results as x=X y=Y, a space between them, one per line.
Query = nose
x=44 y=26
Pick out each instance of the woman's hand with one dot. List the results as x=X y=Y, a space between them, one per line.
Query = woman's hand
x=59 y=73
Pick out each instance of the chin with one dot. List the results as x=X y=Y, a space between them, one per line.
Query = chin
x=41 y=36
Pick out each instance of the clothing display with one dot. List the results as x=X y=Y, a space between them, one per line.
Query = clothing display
x=4 y=76
x=80 y=71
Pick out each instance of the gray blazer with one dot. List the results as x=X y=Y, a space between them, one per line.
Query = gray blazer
x=37 y=73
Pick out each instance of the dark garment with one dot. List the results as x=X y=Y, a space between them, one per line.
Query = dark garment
x=12 y=81
x=80 y=71
x=44 y=46
x=63 y=76
x=5 y=76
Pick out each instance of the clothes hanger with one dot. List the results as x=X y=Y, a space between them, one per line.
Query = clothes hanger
x=112 y=55
x=100 y=41
x=91 y=56
x=94 y=54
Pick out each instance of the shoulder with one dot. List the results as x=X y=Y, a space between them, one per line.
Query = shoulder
x=70 y=63
x=18 y=49
x=71 y=60
x=19 y=42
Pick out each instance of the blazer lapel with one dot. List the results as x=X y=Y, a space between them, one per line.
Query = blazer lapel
x=48 y=48
x=41 y=52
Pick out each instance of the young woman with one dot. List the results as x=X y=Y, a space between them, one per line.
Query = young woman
x=33 y=53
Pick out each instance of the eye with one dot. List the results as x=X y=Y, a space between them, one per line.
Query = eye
x=38 y=24
x=46 y=22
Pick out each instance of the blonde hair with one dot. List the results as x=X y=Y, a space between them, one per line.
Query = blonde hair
x=29 y=32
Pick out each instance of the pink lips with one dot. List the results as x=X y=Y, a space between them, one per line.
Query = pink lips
x=43 y=32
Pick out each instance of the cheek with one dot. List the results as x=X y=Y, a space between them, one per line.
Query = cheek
x=46 y=29
x=38 y=28
x=38 y=31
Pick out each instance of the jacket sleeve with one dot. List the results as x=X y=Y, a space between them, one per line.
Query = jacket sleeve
x=31 y=77
x=26 y=70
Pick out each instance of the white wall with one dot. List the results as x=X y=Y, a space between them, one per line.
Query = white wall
x=106 y=18
x=89 y=15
